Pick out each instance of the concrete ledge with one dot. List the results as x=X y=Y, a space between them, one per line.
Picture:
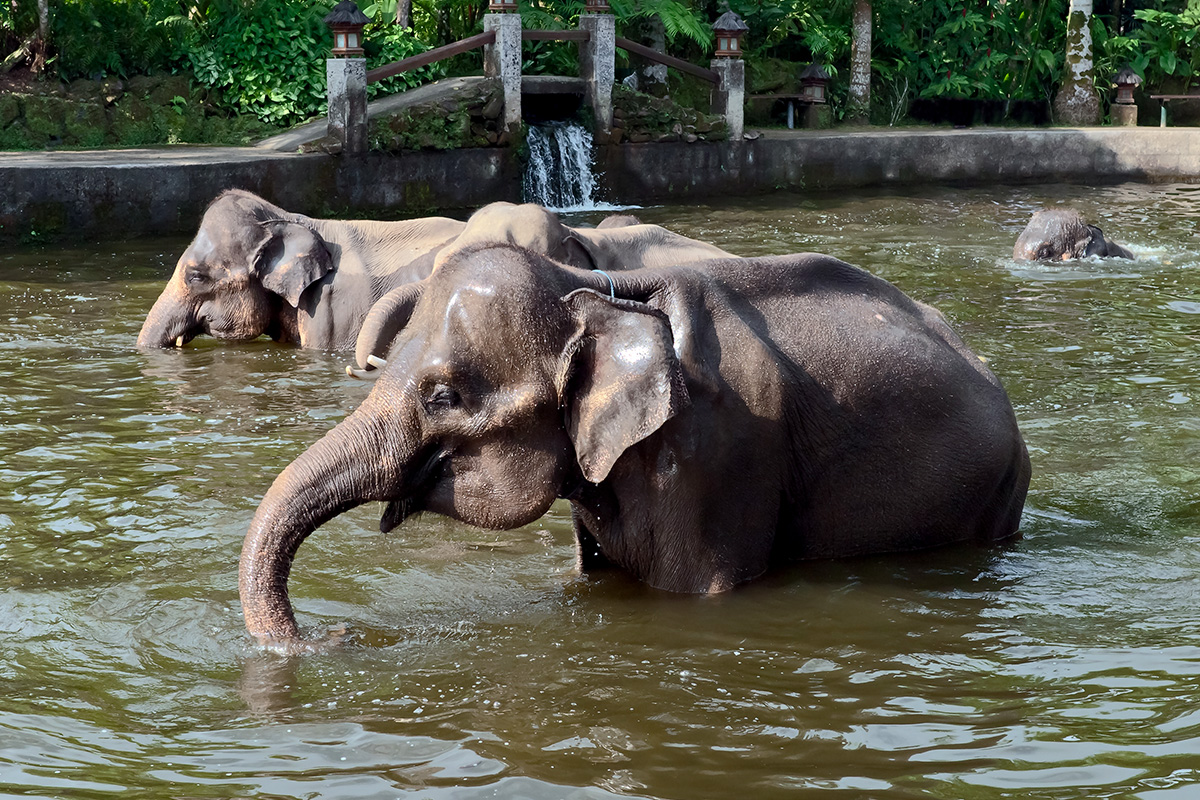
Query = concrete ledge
x=116 y=194
x=800 y=160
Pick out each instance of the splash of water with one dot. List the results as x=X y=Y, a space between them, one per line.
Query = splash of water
x=559 y=173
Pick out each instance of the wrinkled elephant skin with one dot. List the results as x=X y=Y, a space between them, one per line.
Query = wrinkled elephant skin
x=706 y=423
x=255 y=269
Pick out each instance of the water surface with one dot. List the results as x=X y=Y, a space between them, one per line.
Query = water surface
x=1064 y=665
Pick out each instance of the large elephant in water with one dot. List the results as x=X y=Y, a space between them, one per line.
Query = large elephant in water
x=619 y=243
x=254 y=268
x=705 y=422
x=1060 y=234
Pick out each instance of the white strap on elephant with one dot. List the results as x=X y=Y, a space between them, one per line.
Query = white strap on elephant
x=612 y=286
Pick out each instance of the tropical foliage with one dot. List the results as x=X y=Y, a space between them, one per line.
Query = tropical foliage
x=266 y=57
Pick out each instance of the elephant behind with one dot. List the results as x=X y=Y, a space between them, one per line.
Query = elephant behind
x=255 y=269
x=705 y=422
x=1062 y=234
x=619 y=243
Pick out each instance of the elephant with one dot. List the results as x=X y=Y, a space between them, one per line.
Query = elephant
x=624 y=244
x=618 y=221
x=1062 y=234
x=254 y=268
x=705 y=421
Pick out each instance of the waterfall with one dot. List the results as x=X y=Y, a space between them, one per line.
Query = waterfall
x=559 y=173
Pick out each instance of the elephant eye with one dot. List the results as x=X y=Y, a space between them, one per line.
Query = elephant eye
x=442 y=396
x=196 y=276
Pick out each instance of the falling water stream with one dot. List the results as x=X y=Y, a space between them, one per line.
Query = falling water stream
x=559 y=172
x=1064 y=665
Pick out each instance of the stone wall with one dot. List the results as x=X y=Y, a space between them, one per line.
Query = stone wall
x=641 y=173
x=115 y=194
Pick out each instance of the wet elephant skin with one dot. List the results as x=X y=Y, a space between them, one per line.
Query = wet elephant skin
x=705 y=422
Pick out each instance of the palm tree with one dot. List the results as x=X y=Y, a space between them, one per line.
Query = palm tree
x=1077 y=102
x=860 y=63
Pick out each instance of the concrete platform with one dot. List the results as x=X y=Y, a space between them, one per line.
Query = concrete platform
x=92 y=195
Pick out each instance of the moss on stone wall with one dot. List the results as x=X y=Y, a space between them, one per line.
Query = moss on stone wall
x=471 y=118
x=639 y=117
x=146 y=110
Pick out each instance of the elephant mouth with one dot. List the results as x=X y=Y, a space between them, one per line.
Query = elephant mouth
x=396 y=512
x=433 y=468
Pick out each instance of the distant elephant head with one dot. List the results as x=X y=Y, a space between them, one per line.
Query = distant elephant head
x=618 y=221
x=247 y=259
x=1061 y=235
x=510 y=382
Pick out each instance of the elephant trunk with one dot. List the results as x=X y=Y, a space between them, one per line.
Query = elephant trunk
x=344 y=469
x=168 y=322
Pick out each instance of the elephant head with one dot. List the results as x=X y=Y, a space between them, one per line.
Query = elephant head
x=1061 y=235
x=248 y=259
x=512 y=380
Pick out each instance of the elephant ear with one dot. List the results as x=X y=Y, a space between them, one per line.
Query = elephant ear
x=385 y=320
x=579 y=252
x=293 y=258
x=625 y=380
x=1096 y=245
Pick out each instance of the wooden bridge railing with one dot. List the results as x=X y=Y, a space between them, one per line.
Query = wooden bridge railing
x=431 y=56
x=662 y=58
x=501 y=39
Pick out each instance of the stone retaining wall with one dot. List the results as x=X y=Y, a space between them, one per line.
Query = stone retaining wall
x=115 y=194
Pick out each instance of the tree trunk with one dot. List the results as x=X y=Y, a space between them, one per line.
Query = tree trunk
x=860 y=64
x=404 y=13
x=1077 y=102
x=43 y=40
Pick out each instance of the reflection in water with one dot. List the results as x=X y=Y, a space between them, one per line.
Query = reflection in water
x=1064 y=664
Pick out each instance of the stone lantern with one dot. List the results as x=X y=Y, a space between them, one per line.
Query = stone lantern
x=347 y=23
x=1126 y=81
x=729 y=29
x=596 y=7
x=501 y=6
x=1124 y=111
x=814 y=81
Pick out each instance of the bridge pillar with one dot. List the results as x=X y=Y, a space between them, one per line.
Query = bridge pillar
x=346 y=86
x=729 y=95
x=503 y=60
x=597 y=67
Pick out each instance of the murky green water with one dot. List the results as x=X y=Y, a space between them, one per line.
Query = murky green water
x=1066 y=665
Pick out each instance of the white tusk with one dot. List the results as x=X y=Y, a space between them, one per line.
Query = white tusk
x=179 y=341
x=362 y=374
x=376 y=362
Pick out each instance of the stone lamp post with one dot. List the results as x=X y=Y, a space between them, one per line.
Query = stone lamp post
x=1123 y=109
x=346 y=78
x=814 y=93
x=814 y=84
x=729 y=96
x=729 y=29
x=346 y=22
